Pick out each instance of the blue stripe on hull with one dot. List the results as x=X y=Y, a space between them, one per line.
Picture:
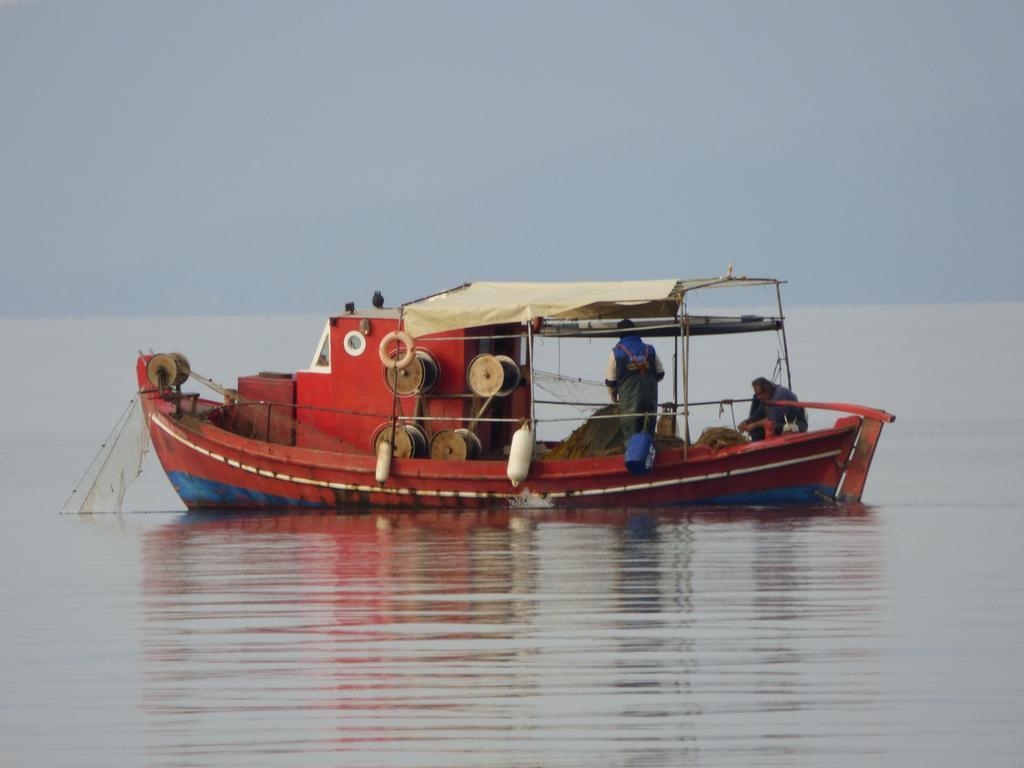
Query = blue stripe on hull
x=199 y=492
x=798 y=494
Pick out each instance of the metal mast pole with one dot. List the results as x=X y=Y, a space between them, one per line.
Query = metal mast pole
x=685 y=331
x=533 y=389
x=785 y=346
x=675 y=374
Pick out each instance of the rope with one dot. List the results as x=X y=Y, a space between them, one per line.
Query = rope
x=574 y=379
x=220 y=389
x=676 y=409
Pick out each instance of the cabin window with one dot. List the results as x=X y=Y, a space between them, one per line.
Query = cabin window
x=322 y=356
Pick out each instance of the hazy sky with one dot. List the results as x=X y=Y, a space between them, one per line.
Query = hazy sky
x=174 y=157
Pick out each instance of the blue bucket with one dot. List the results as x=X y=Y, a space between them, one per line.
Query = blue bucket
x=640 y=453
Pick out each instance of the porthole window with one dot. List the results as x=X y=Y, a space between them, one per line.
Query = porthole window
x=355 y=343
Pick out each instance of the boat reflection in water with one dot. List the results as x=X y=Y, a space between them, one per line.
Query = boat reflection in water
x=511 y=638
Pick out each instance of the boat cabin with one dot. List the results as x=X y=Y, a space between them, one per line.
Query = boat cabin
x=461 y=396
x=462 y=386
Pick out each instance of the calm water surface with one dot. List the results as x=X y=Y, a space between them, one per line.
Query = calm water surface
x=885 y=634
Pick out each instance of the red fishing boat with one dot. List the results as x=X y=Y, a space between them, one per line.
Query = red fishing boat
x=434 y=404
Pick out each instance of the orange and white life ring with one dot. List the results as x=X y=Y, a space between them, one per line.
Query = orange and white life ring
x=405 y=360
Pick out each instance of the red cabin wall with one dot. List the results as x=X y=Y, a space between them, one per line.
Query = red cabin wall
x=266 y=408
x=342 y=408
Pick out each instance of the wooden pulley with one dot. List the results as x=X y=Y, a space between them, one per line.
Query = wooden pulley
x=168 y=370
x=417 y=378
x=410 y=440
x=492 y=375
x=455 y=445
x=184 y=369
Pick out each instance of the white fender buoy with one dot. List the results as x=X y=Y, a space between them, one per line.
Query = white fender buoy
x=383 y=462
x=520 y=454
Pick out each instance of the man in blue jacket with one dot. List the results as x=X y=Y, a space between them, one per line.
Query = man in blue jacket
x=768 y=420
x=632 y=377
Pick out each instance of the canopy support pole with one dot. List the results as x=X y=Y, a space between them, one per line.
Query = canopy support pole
x=785 y=346
x=394 y=389
x=675 y=374
x=685 y=333
x=533 y=389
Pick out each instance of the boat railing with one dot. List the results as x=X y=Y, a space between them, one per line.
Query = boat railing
x=850 y=408
x=270 y=405
x=665 y=408
x=276 y=411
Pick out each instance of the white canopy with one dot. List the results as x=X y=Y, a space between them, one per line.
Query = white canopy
x=488 y=303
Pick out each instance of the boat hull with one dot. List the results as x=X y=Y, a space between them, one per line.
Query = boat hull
x=214 y=469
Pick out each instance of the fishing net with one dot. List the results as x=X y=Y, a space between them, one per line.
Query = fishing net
x=721 y=437
x=602 y=437
x=117 y=464
x=583 y=395
x=595 y=437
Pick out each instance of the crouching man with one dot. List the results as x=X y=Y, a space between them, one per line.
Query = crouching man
x=768 y=420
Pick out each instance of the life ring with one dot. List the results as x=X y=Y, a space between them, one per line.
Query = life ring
x=405 y=360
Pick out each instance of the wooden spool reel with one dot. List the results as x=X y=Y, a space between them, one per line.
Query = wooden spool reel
x=455 y=445
x=410 y=440
x=168 y=370
x=492 y=375
x=418 y=378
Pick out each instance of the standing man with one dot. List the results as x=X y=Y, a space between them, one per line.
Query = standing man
x=632 y=377
x=768 y=420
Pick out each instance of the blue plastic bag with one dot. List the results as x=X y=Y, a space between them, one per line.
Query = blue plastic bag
x=640 y=453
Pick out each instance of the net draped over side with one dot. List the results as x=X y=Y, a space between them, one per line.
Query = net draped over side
x=118 y=463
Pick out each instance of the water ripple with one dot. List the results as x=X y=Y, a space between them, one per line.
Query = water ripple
x=545 y=638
